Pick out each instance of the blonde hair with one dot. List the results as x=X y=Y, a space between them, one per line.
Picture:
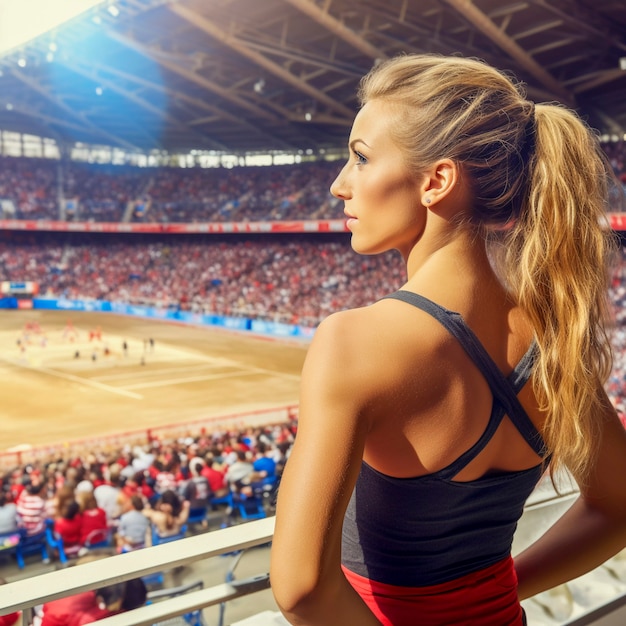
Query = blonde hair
x=540 y=182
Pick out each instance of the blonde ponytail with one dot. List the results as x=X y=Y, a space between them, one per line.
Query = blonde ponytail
x=557 y=264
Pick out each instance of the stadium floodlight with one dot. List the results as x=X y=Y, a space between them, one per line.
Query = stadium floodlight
x=25 y=20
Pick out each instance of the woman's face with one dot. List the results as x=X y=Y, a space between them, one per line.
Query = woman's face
x=382 y=198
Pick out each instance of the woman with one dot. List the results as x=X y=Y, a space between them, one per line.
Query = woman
x=94 y=525
x=432 y=414
x=169 y=515
x=68 y=526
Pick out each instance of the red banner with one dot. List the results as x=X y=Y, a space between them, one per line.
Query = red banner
x=617 y=221
x=301 y=226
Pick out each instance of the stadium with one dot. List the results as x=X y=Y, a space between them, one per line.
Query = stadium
x=169 y=244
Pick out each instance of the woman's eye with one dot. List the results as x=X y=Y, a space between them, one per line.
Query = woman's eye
x=360 y=159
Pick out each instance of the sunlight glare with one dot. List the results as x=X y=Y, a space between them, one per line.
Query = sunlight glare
x=22 y=21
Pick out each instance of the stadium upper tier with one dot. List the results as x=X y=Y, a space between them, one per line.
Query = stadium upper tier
x=32 y=189
x=44 y=189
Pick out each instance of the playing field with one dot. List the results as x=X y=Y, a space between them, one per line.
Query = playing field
x=60 y=382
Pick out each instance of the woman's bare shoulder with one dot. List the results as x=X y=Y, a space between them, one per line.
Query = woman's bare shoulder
x=375 y=325
x=356 y=343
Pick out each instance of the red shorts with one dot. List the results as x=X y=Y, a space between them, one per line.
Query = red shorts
x=484 y=598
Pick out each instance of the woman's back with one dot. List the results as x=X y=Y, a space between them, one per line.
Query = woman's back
x=469 y=523
x=434 y=402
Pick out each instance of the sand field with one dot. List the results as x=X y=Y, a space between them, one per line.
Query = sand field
x=62 y=381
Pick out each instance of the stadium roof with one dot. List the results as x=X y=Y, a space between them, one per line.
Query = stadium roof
x=258 y=75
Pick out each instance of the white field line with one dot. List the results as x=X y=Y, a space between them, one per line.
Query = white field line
x=219 y=360
x=148 y=373
x=192 y=379
x=75 y=379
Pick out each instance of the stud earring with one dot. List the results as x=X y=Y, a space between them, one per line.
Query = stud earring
x=427 y=200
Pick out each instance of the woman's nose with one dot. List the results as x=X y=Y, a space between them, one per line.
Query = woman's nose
x=339 y=188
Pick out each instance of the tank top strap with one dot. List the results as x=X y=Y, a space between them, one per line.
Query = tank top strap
x=504 y=388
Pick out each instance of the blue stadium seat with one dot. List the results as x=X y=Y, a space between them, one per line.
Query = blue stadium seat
x=31 y=544
x=249 y=507
x=55 y=542
x=197 y=516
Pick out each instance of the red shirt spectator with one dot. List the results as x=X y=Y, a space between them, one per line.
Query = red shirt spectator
x=77 y=610
x=93 y=517
x=216 y=479
x=69 y=525
x=31 y=509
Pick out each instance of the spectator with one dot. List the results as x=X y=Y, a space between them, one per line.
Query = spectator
x=165 y=478
x=196 y=490
x=107 y=494
x=238 y=474
x=68 y=525
x=214 y=472
x=446 y=151
x=169 y=515
x=133 y=526
x=264 y=464
x=31 y=508
x=94 y=526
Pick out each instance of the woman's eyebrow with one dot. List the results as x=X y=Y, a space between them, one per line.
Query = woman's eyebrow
x=355 y=141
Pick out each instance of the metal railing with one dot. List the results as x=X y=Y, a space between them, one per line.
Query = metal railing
x=30 y=592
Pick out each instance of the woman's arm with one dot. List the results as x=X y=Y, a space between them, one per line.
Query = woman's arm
x=592 y=530
x=318 y=480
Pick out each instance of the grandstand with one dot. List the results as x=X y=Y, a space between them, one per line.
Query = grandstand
x=164 y=175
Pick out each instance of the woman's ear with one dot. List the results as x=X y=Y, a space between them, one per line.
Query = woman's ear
x=439 y=181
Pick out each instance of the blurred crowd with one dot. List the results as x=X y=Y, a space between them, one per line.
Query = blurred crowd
x=124 y=499
x=44 y=189
x=86 y=492
x=290 y=279
x=73 y=191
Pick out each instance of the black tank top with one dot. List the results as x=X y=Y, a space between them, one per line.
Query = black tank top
x=430 y=529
